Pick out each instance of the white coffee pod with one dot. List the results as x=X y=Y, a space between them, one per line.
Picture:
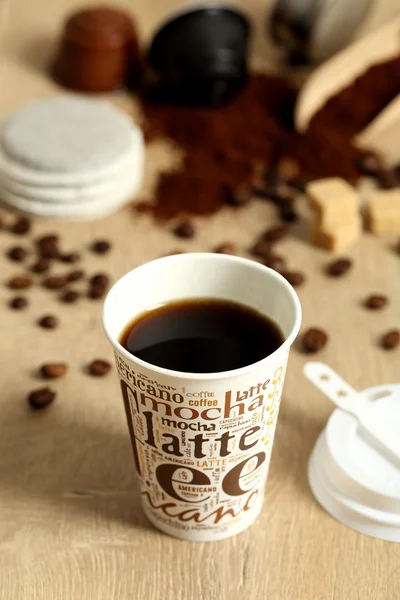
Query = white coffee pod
x=69 y=156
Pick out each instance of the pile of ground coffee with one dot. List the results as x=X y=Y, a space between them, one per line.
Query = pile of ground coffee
x=223 y=145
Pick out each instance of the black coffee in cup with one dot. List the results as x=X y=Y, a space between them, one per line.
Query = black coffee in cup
x=201 y=336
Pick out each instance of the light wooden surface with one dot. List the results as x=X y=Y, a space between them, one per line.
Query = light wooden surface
x=70 y=522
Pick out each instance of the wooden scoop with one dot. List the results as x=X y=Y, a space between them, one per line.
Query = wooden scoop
x=341 y=70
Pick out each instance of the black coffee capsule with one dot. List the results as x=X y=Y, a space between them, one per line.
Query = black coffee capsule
x=200 y=56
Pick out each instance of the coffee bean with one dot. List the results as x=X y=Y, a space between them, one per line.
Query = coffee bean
x=101 y=246
x=376 y=302
x=99 y=367
x=70 y=297
x=18 y=303
x=314 y=340
x=295 y=278
x=17 y=253
x=2 y=222
x=55 y=282
x=287 y=212
x=387 y=179
x=41 y=266
x=21 y=226
x=142 y=207
x=184 y=229
x=97 y=291
x=278 y=192
x=287 y=168
x=100 y=279
x=71 y=257
x=226 y=248
x=53 y=370
x=258 y=179
x=339 y=267
x=397 y=247
x=391 y=339
x=49 y=238
x=21 y=282
x=75 y=275
x=239 y=196
x=275 y=262
x=274 y=234
x=261 y=249
x=48 y=246
x=300 y=184
x=41 y=398
x=369 y=163
x=48 y=322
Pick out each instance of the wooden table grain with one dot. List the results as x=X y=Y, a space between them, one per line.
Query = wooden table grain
x=70 y=521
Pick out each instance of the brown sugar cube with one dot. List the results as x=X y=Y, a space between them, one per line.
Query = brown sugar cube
x=383 y=211
x=336 y=239
x=333 y=200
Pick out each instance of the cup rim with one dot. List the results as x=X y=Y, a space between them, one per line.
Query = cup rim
x=220 y=374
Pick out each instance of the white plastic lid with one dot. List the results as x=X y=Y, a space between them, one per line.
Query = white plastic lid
x=355 y=482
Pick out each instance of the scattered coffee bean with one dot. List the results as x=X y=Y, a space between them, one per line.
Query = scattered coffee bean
x=2 y=223
x=184 y=229
x=97 y=291
x=274 y=234
x=391 y=339
x=258 y=179
x=71 y=257
x=21 y=226
x=48 y=322
x=276 y=262
x=99 y=367
x=239 y=196
x=376 y=302
x=18 y=303
x=75 y=275
x=101 y=246
x=314 y=340
x=261 y=249
x=48 y=246
x=287 y=168
x=278 y=192
x=100 y=279
x=339 y=267
x=98 y=285
x=53 y=370
x=55 y=282
x=387 y=179
x=69 y=297
x=17 y=253
x=370 y=163
x=41 y=266
x=21 y=282
x=287 y=212
x=142 y=207
x=226 y=248
x=49 y=238
x=295 y=278
x=41 y=398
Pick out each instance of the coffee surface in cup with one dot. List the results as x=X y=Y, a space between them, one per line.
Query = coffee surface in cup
x=201 y=336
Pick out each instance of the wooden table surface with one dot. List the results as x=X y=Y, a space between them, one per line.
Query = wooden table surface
x=70 y=522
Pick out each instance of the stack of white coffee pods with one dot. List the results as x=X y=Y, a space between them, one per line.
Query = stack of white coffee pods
x=354 y=469
x=69 y=157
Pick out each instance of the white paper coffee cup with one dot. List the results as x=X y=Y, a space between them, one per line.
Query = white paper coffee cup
x=202 y=442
